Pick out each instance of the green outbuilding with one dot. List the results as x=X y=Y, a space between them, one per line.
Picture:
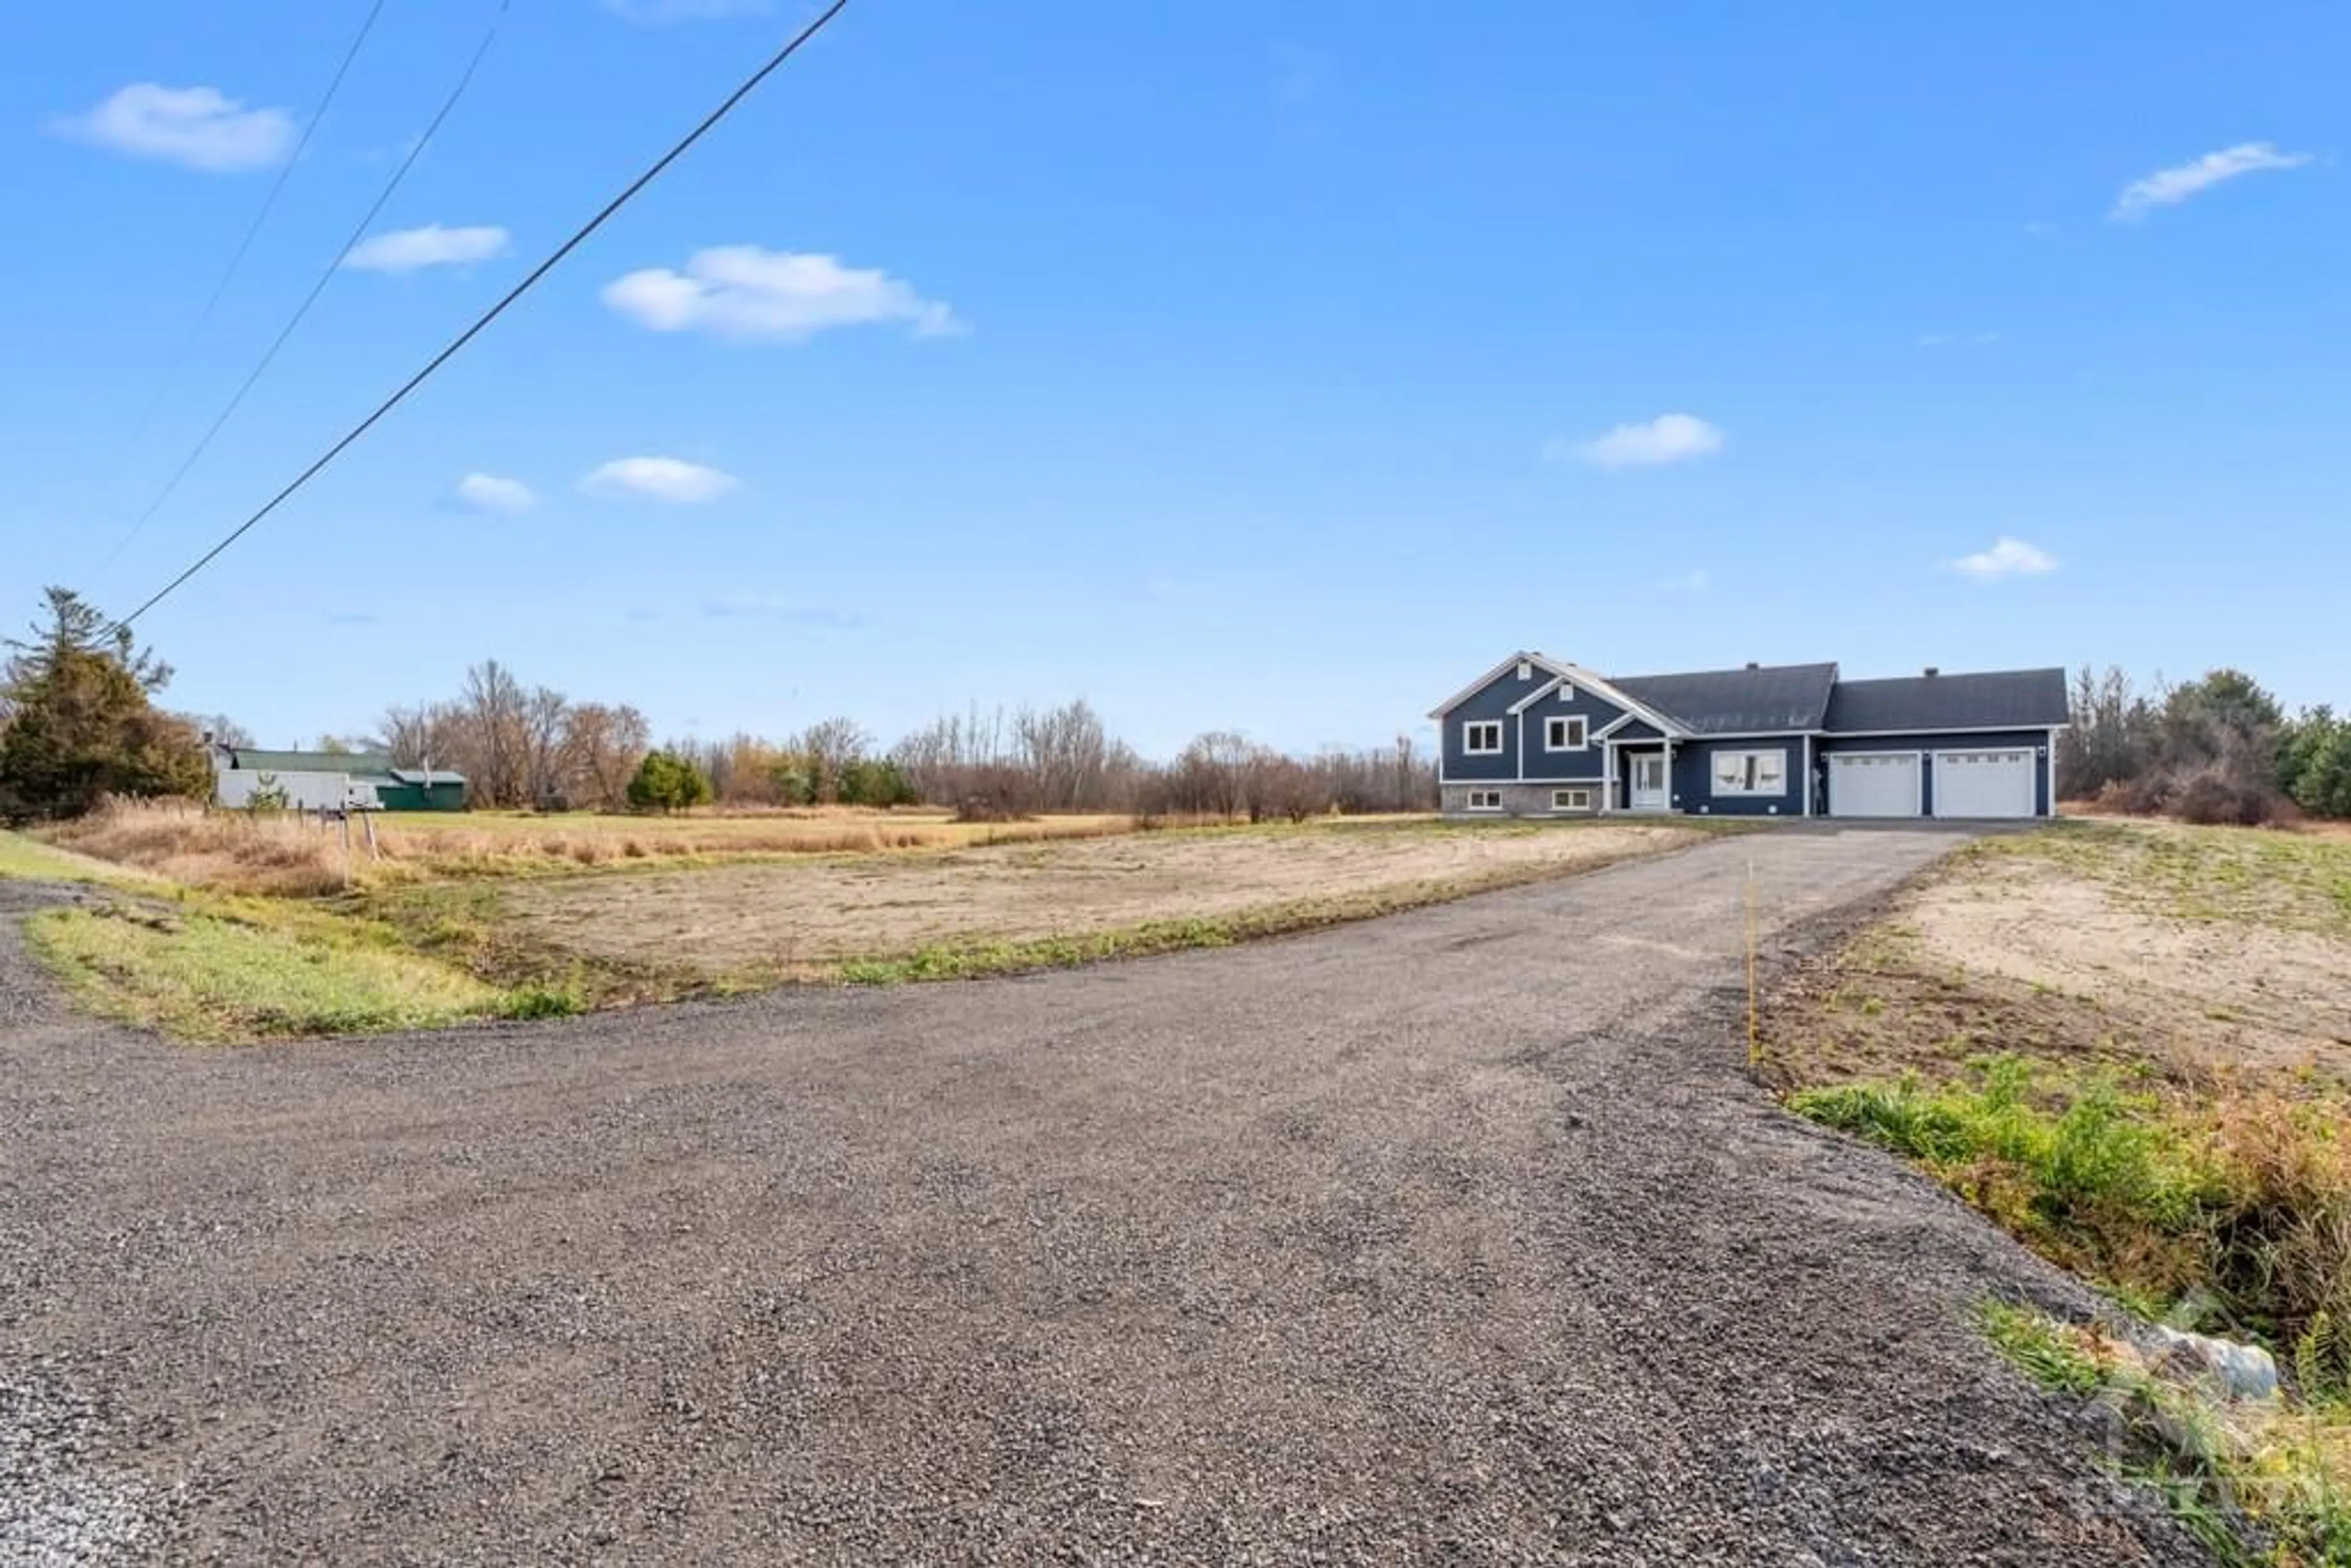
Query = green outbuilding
x=420 y=789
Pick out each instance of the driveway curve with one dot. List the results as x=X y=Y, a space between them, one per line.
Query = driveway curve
x=1458 y=1235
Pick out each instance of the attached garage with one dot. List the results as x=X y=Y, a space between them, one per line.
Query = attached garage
x=1986 y=784
x=1875 y=784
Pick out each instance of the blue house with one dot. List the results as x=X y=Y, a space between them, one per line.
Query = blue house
x=1536 y=737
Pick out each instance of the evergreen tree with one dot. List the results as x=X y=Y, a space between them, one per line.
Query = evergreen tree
x=78 y=722
x=665 y=781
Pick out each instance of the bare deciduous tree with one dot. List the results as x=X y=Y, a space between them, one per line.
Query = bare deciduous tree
x=605 y=746
x=829 y=746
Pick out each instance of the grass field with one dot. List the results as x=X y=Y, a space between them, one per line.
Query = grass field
x=2130 y=1045
x=291 y=856
x=502 y=916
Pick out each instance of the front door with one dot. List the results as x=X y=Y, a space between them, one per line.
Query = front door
x=1649 y=792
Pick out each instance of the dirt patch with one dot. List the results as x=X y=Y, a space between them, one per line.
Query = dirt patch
x=735 y=918
x=2052 y=955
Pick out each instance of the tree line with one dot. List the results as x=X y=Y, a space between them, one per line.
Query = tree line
x=523 y=746
x=2216 y=749
x=79 y=723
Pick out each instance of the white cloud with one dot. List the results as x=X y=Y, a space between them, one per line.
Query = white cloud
x=655 y=13
x=488 y=493
x=1669 y=438
x=744 y=291
x=1686 y=582
x=2168 y=187
x=199 y=127
x=2007 y=558
x=660 y=479
x=405 y=250
x=761 y=607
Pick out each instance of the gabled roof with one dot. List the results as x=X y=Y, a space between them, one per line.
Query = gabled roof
x=253 y=760
x=1993 y=699
x=1757 y=700
x=1544 y=665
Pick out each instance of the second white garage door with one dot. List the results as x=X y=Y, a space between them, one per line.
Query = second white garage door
x=1983 y=784
x=1874 y=784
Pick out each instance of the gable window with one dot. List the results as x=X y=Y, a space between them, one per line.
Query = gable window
x=1570 y=799
x=1750 y=772
x=1526 y=671
x=1485 y=799
x=1482 y=737
x=1566 y=732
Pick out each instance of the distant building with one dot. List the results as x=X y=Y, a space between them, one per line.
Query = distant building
x=330 y=781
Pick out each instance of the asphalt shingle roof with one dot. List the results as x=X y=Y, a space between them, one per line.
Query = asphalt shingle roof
x=1738 y=702
x=1995 y=699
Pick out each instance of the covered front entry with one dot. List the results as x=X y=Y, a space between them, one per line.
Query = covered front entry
x=1648 y=790
x=1640 y=778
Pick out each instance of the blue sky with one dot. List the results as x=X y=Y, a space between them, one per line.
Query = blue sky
x=1276 y=367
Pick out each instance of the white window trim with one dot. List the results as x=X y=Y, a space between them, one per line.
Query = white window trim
x=1582 y=741
x=1721 y=791
x=1483 y=801
x=1578 y=800
x=1470 y=729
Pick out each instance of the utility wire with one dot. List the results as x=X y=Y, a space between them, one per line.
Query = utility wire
x=774 y=63
x=252 y=231
x=357 y=232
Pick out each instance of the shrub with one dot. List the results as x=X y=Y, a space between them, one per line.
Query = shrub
x=2211 y=797
x=2243 y=1192
x=667 y=782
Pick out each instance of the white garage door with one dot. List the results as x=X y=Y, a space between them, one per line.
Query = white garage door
x=1983 y=784
x=1874 y=784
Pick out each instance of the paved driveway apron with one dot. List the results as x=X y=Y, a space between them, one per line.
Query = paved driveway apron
x=1454 y=1237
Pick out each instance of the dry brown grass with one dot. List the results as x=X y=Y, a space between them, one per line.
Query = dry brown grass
x=293 y=856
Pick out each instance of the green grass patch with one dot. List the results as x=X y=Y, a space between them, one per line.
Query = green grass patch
x=29 y=860
x=2297 y=882
x=2281 y=1466
x=2236 y=1193
x=2042 y=1346
x=213 y=976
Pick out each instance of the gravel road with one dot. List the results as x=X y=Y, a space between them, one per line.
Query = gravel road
x=1458 y=1237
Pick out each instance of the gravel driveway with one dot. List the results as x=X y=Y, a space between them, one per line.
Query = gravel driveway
x=1455 y=1237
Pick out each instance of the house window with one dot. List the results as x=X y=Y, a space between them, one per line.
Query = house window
x=1526 y=671
x=1485 y=799
x=1566 y=693
x=1570 y=799
x=1565 y=732
x=1750 y=772
x=1482 y=737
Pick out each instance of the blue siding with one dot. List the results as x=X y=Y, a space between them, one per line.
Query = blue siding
x=1639 y=730
x=2037 y=741
x=1493 y=702
x=1694 y=779
x=1587 y=766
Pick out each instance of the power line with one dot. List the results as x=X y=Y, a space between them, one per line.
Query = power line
x=357 y=232
x=252 y=231
x=531 y=280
